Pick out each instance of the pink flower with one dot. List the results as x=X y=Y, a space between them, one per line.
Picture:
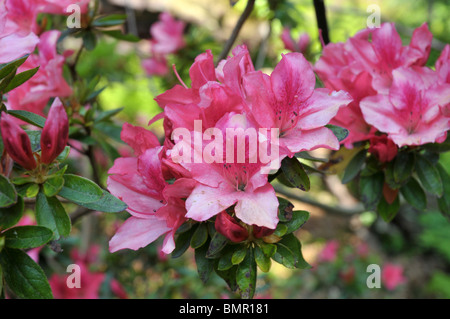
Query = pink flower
x=60 y=6
x=55 y=133
x=155 y=66
x=392 y=276
x=413 y=111
x=364 y=65
x=300 y=46
x=329 y=252
x=383 y=148
x=167 y=34
x=156 y=207
x=288 y=101
x=16 y=142
x=16 y=26
x=48 y=82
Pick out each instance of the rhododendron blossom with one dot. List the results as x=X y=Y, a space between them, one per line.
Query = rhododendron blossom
x=212 y=173
x=48 y=82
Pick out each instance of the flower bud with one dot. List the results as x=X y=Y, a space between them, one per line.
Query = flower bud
x=383 y=148
x=55 y=134
x=230 y=228
x=17 y=143
x=259 y=232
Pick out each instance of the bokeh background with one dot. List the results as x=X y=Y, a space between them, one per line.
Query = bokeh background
x=340 y=240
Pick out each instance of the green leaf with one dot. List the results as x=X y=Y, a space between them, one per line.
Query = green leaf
x=121 y=36
x=264 y=263
x=110 y=20
x=371 y=188
x=78 y=189
x=28 y=117
x=23 y=276
x=268 y=249
x=340 y=132
x=11 y=215
x=89 y=40
x=246 y=276
x=299 y=218
x=229 y=275
x=25 y=237
x=295 y=174
x=284 y=209
x=280 y=230
x=35 y=139
x=9 y=67
x=107 y=203
x=204 y=265
x=354 y=166
x=388 y=211
x=6 y=80
x=289 y=253
x=444 y=200
x=225 y=259
x=182 y=242
x=51 y=214
x=20 y=78
x=200 y=236
x=8 y=194
x=403 y=167
x=307 y=156
x=53 y=185
x=106 y=115
x=64 y=154
x=429 y=176
x=414 y=194
x=239 y=255
x=217 y=244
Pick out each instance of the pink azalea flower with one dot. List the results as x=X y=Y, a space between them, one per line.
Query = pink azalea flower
x=167 y=34
x=155 y=66
x=60 y=6
x=48 y=82
x=16 y=26
x=329 y=252
x=156 y=207
x=288 y=101
x=290 y=44
x=413 y=112
x=392 y=276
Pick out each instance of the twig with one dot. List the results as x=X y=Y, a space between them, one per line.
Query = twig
x=80 y=212
x=237 y=28
x=321 y=17
x=329 y=209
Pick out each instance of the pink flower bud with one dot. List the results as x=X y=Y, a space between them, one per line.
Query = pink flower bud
x=17 y=143
x=383 y=148
x=55 y=133
x=230 y=228
x=259 y=232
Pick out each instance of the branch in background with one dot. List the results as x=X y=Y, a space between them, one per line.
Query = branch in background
x=321 y=17
x=329 y=209
x=237 y=28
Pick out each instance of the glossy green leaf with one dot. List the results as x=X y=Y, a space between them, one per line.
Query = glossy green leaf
x=444 y=200
x=354 y=166
x=217 y=244
x=388 y=211
x=414 y=194
x=295 y=174
x=53 y=185
x=28 y=117
x=403 y=167
x=20 y=78
x=340 y=132
x=264 y=263
x=107 y=203
x=11 y=215
x=299 y=218
x=429 y=176
x=204 y=265
x=25 y=237
x=246 y=276
x=200 y=236
x=239 y=255
x=8 y=194
x=371 y=188
x=23 y=276
x=80 y=190
x=51 y=214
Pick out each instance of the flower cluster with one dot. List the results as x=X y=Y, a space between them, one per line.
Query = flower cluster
x=184 y=179
x=167 y=38
x=394 y=93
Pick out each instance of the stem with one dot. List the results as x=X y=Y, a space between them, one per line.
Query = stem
x=329 y=209
x=237 y=28
x=321 y=17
